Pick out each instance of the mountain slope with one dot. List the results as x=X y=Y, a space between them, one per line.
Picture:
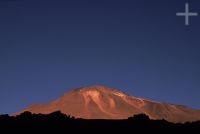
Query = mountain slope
x=99 y=102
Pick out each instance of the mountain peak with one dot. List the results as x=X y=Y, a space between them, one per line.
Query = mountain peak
x=100 y=90
x=96 y=87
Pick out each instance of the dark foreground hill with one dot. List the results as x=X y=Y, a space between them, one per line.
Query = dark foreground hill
x=61 y=123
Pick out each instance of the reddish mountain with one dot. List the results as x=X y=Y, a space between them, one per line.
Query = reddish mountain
x=99 y=102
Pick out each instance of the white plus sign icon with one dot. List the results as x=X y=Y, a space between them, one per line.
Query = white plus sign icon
x=186 y=14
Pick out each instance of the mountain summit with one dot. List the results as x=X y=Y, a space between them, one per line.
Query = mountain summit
x=100 y=102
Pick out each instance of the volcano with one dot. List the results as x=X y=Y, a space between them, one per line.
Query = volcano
x=100 y=102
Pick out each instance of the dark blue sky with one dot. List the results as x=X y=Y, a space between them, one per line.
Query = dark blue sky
x=138 y=46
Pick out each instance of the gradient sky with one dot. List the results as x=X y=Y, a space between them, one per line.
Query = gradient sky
x=138 y=46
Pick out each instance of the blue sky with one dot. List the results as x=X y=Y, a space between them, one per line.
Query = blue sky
x=140 y=47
